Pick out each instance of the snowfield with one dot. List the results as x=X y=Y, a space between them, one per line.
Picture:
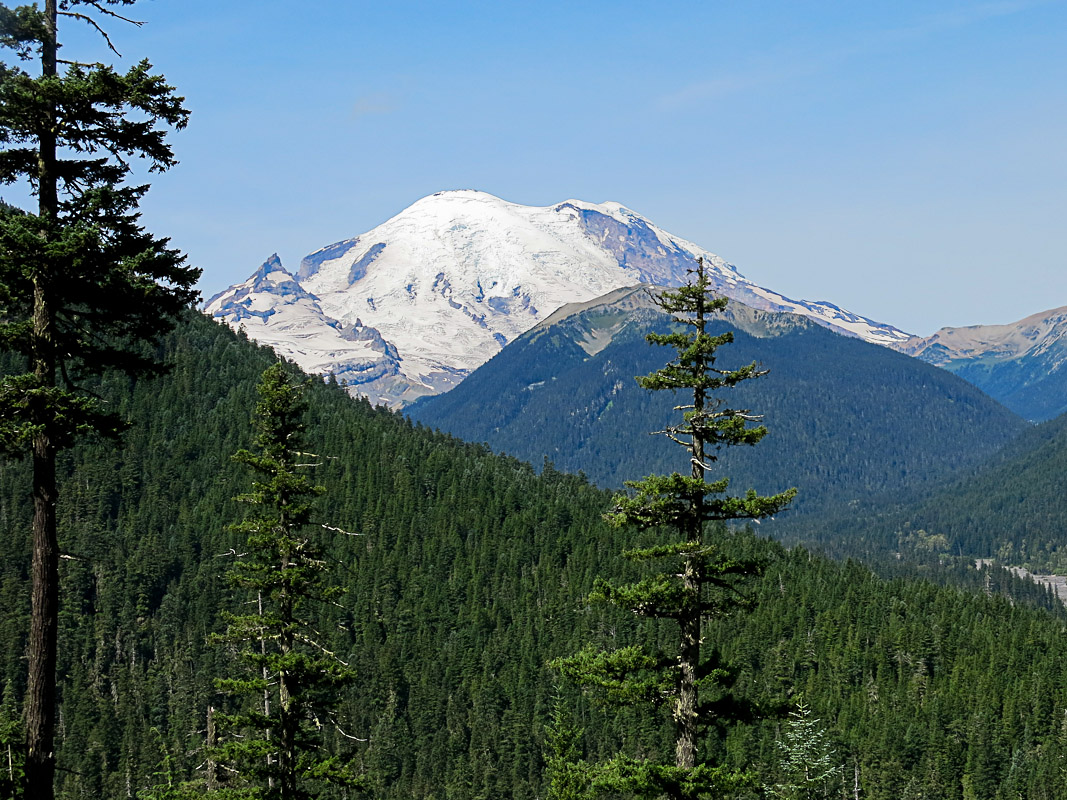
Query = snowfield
x=414 y=305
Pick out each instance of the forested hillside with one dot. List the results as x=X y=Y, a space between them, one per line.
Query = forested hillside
x=1011 y=507
x=848 y=420
x=465 y=576
x=1031 y=387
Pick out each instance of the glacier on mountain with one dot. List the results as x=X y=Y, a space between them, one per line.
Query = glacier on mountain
x=414 y=305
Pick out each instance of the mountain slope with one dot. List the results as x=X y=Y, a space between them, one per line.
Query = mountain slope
x=465 y=576
x=275 y=310
x=1023 y=364
x=1011 y=507
x=847 y=419
x=451 y=279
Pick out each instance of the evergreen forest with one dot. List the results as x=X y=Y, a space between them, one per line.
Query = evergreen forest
x=465 y=575
x=221 y=578
x=847 y=420
x=1008 y=507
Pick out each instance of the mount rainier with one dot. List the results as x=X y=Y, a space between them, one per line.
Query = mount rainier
x=411 y=307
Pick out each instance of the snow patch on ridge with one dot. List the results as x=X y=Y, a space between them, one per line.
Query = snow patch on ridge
x=1037 y=335
x=447 y=282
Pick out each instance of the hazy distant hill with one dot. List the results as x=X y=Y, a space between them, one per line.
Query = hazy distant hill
x=1011 y=508
x=1022 y=364
x=848 y=419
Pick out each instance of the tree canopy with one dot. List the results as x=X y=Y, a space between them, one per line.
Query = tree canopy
x=683 y=519
x=280 y=708
x=82 y=284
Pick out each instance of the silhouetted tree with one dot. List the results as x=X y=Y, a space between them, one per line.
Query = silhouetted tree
x=81 y=282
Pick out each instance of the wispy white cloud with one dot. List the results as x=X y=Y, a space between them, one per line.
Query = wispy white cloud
x=788 y=67
x=962 y=17
x=373 y=104
x=712 y=89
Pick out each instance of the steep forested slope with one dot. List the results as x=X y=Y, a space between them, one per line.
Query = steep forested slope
x=1034 y=388
x=848 y=420
x=1011 y=507
x=465 y=576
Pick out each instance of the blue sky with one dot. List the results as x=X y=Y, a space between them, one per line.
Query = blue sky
x=905 y=160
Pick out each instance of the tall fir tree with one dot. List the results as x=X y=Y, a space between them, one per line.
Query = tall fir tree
x=273 y=738
x=699 y=579
x=81 y=282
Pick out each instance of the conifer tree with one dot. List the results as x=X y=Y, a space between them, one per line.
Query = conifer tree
x=287 y=697
x=81 y=282
x=808 y=764
x=699 y=580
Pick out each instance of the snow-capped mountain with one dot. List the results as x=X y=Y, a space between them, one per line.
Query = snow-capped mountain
x=413 y=306
x=275 y=310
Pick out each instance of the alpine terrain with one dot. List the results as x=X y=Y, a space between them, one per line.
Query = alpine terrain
x=848 y=419
x=411 y=307
x=1021 y=364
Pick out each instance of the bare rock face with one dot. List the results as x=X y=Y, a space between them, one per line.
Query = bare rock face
x=413 y=306
x=1036 y=335
x=1021 y=364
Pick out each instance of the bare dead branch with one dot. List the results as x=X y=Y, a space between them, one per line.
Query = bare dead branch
x=341 y=530
x=353 y=738
x=95 y=64
x=323 y=650
x=86 y=18
x=314 y=455
x=670 y=433
x=110 y=13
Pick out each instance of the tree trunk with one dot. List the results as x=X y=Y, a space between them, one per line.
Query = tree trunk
x=44 y=614
x=686 y=706
x=288 y=722
x=212 y=767
x=41 y=689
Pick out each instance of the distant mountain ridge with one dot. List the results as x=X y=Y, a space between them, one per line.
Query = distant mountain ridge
x=848 y=420
x=411 y=307
x=1022 y=364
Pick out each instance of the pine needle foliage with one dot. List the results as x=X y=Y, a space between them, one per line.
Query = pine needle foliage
x=82 y=284
x=698 y=580
x=808 y=766
x=273 y=742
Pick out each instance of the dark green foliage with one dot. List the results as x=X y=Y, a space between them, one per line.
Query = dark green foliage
x=457 y=586
x=271 y=744
x=11 y=746
x=81 y=283
x=107 y=282
x=471 y=574
x=1010 y=508
x=696 y=581
x=848 y=419
x=1034 y=385
x=919 y=688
